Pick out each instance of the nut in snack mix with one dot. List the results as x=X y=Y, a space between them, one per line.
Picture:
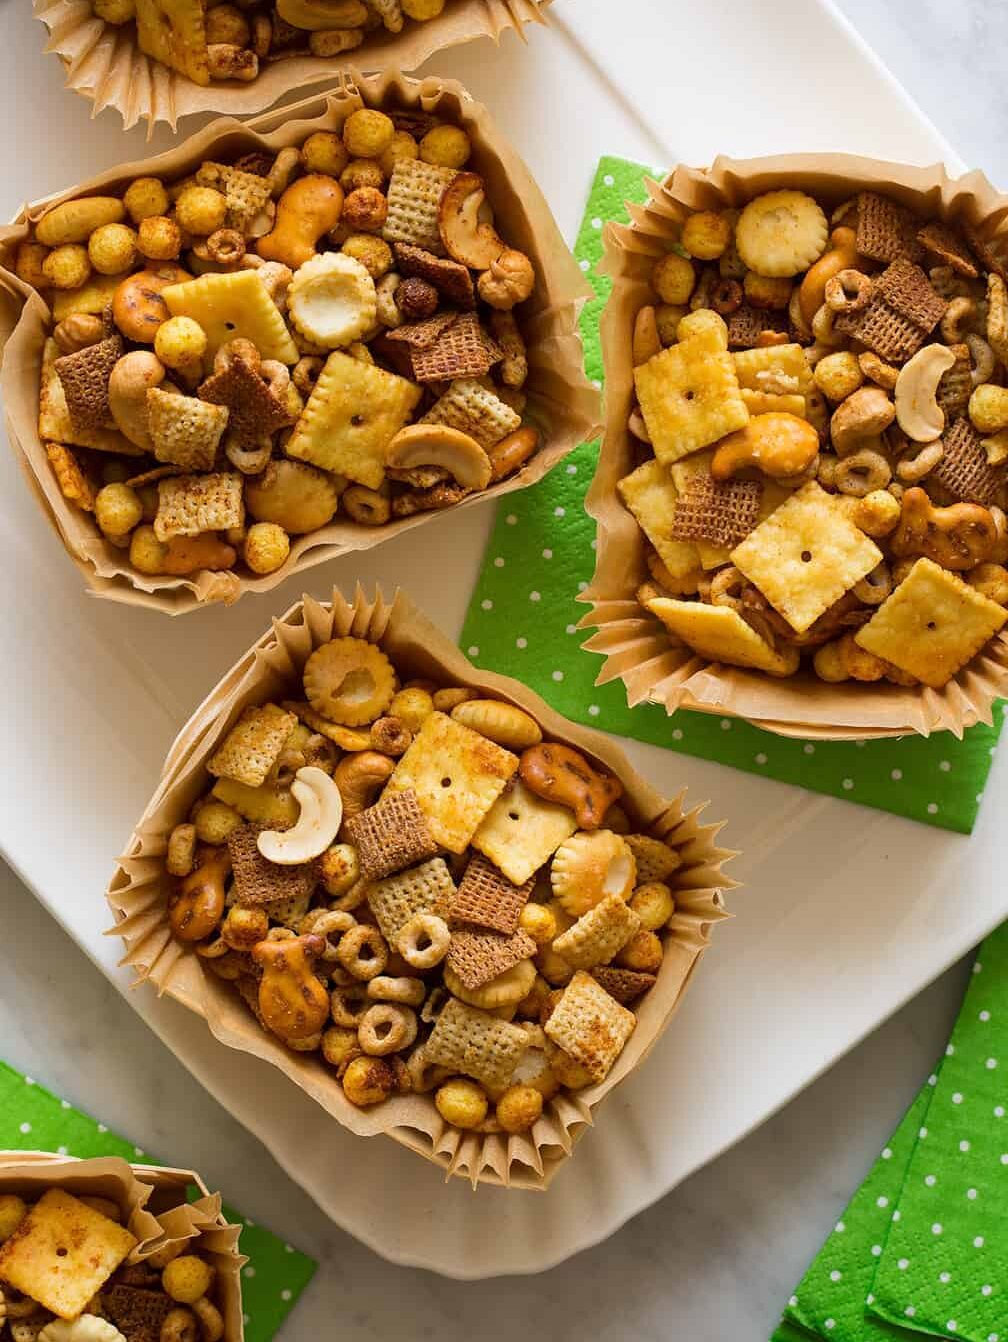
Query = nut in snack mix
x=818 y=399
x=395 y=910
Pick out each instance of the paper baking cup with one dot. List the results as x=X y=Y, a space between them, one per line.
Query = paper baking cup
x=561 y=401
x=139 y=890
x=653 y=665
x=154 y=1202
x=105 y=65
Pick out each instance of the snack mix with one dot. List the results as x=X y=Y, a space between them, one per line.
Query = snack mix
x=64 y=1277
x=207 y=40
x=240 y=355
x=823 y=431
x=414 y=886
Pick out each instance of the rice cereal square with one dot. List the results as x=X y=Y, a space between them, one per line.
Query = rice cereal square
x=590 y=1026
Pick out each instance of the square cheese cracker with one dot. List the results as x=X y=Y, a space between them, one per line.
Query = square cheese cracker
x=931 y=625
x=651 y=496
x=720 y=634
x=806 y=555
x=522 y=832
x=689 y=396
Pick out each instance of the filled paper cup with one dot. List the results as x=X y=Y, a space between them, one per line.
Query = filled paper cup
x=562 y=404
x=154 y=1206
x=140 y=890
x=638 y=649
x=104 y=64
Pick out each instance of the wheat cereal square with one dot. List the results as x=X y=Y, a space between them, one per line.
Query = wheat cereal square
x=427 y=888
x=390 y=835
x=486 y=898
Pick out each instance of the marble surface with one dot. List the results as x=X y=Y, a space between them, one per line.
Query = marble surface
x=713 y=1260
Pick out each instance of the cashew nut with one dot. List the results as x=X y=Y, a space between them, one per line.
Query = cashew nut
x=465 y=237
x=130 y=380
x=439 y=445
x=317 y=825
x=959 y=311
x=359 y=777
x=778 y=445
x=917 y=411
x=859 y=420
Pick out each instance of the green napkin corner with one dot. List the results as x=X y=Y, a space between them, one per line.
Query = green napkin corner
x=33 y=1119
x=523 y=615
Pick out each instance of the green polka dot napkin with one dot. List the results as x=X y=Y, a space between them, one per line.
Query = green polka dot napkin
x=523 y=615
x=32 y=1119
x=923 y=1245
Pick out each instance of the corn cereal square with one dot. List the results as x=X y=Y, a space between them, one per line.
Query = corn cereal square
x=427 y=888
x=63 y=1252
x=475 y=410
x=720 y=634
x=522 y=832
x=932 y=624
x=651 y=496
x=598 y=934
x=353 y=413
x=233 y=306
x=185 y=432
x=689 y=396
x=414 y=199
x=590 y=1026
x=806 y=555
x=457 y=776
x=253 y=745
x=191 y=504
x=475 y=1043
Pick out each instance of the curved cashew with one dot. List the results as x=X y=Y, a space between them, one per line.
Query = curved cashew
x=359 y=777
x=981 y=359
x=85 y=1328
x=917 y=411
x=778 y=445
x=317 y=825
x=439 y=445
x=858 y=420
x=959 y=311
x=466 y=239
x=841 y=256
x=130 y=380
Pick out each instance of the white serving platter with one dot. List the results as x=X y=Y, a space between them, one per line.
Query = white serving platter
x=846 y=912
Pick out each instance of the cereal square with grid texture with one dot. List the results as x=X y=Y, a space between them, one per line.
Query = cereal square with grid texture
x=473 y=1042
x=626 y=985
x=486 y=898
x=462 y=349
x=457 y=775
x=451 y=279
x=54 y=422
x=414 y=199
x=427 y=888
x=886 y=230
x=63 y=1252
x=85 y=378
x=138 y=1312
x=721 y=514
x=174 y=33
x=474 y=409
x=231 y=307
x=651 y=496
x=689 y=396
x=353 y=413
x=246 y=193
x=931 y=625
x=964 y=469
x=185 y=432
x=191 y=504
x=259 y=882
x=590 y=1025
x=253 y=744
x=598 y=934
x=522 y=832
x=390 y=835
x=720 y=634
x=478 y=956
x=806 y=555
x=656 y=861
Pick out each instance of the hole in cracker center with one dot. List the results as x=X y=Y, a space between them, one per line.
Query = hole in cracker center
x=806 y=556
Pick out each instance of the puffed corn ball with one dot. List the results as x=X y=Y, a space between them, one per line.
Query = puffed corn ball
x=339 y=869
x=116 y=12
x=374 y=254
x=411 y=707
x=179 y=341
x=461 y=1103
x=13 y=1210
x=402 y=146
x=368 y=1081
x=673 y=278
x=446 y=146
x=325 y=152
x=118 y=509
x=706 y=235
x=187 y=1278
x=267 y=547
x=838 y=375
x=990 y=580
x=201 y=210
x=159 y=238
x=145 y=198
x=538 y=922
x=642 y=952
x=988 y=407
x=242 y=928
x=67 y=267
x=519 y=1108
x=112 y=249
x=215 y=822
x=226 y=23
x=766 y=291
x=28 y=264
x=667 y=318
x=365 y=210
x=367 y=133
x=361 y=172
x=422 y=10
x=653 y=904
x=339 y=1042
x=704 y=319
x=146 y=552
x=877 y=514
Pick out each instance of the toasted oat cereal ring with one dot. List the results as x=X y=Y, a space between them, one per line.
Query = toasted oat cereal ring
x=386 y=1028
x=862 y=473
x=506 y=990
x=874 y=588
x=589 y=867
x=348 y=1004
x=848 y=291
x=332 y=924
x=349 y=681
x=423 y=941
x=363 y=952
x=404 y=990
x=503 y=723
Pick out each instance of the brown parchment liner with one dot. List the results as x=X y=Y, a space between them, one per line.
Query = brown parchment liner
x=153 y=1201
x=562 y=403
x=105 y=65
x=638 y=649
x=139 y=889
